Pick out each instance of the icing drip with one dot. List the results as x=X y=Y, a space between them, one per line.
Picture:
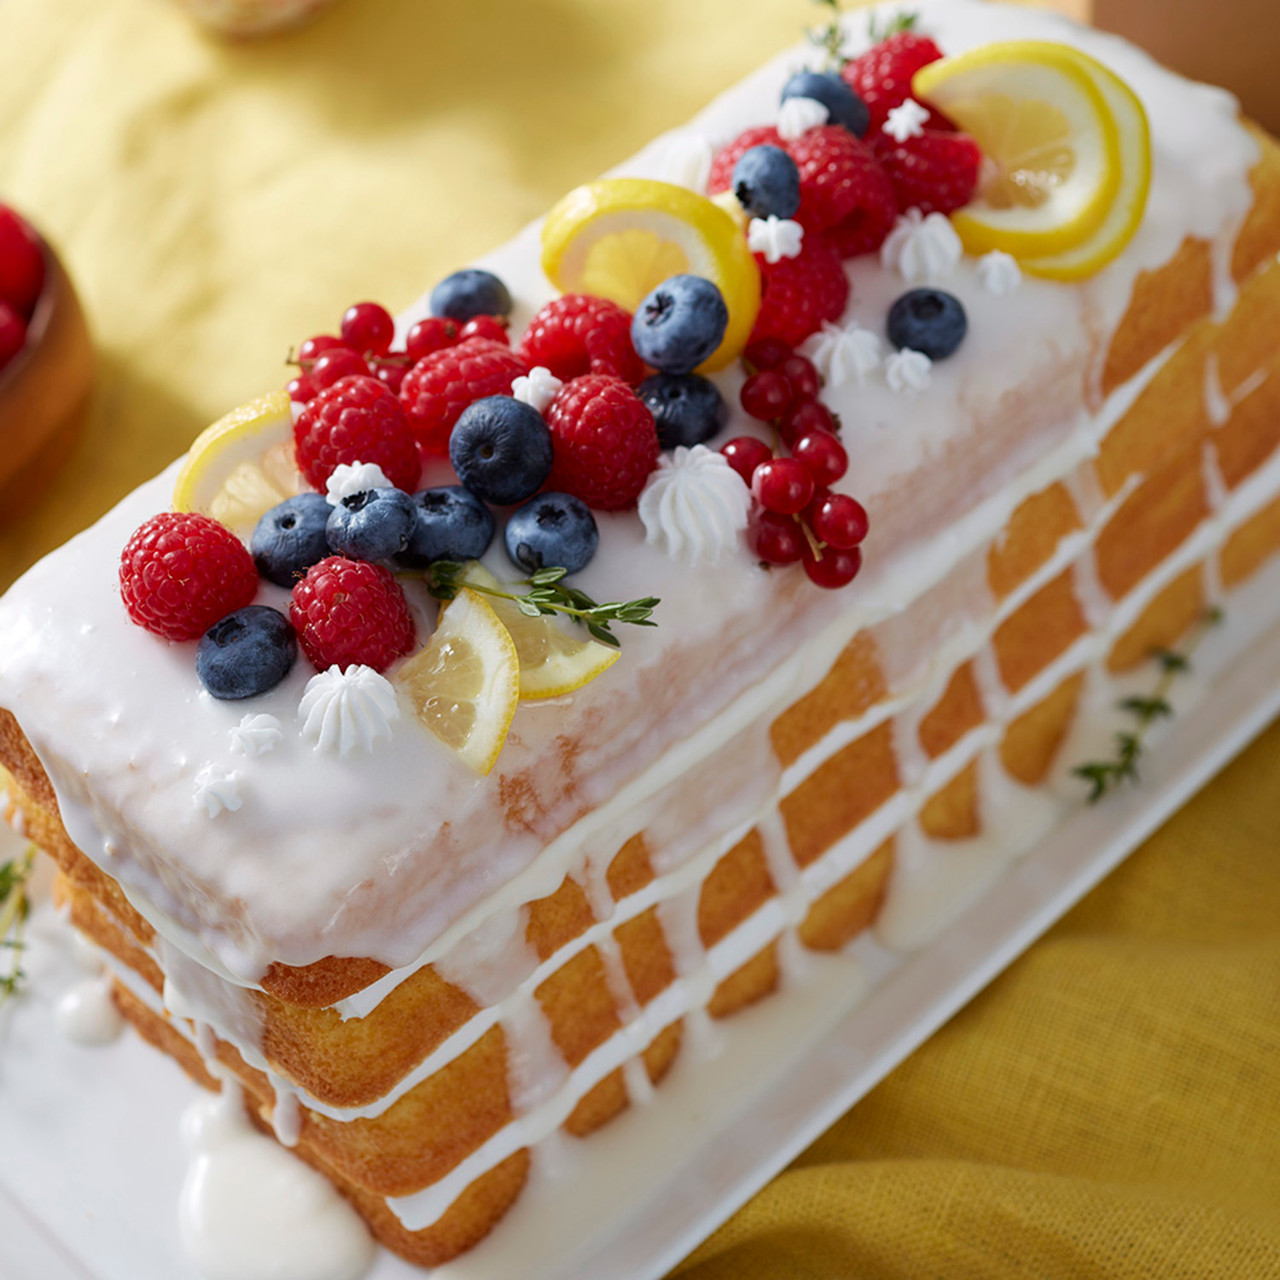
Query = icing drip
x=86 y=1013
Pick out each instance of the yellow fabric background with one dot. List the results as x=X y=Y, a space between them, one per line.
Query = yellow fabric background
x=1111 y=1105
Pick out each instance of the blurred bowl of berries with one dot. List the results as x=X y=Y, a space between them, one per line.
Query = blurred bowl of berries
x=46 y=364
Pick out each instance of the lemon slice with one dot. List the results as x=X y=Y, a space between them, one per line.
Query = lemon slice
x=618 y=238
x=465 y=684
x=552 y=661
x=241 y=466
x=1066 y=153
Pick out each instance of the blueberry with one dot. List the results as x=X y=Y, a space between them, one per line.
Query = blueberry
x=843 y=105
x=290 y=538
x=766 y=181
x=469 y=293
x=501 y=449
x=686 y=407
x=374 y=525
x=928 y=320
x=247 y=653
x=552 y=529
x=679 y=324
x=452 y=524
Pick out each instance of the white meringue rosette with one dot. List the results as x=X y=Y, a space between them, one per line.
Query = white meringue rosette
x=776 y=238
x=256 y=735
x=348 y=711
x=922 y=246
x=906 y=120
x=537 y=389
x=217 y=791
x=999 y=273
x=908 y=372
x=694 y=506
x=349 y=478
x=843 y=353
x=797 y=116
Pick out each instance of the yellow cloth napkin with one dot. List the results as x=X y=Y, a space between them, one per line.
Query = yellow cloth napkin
x=1109 y=1107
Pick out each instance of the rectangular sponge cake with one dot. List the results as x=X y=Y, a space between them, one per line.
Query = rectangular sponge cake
x=419 y=974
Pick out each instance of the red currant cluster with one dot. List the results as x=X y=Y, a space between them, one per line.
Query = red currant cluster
x=796 y=517
x=364 y=348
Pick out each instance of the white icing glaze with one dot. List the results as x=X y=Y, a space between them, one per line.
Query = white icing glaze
x=538 y=388
x=686 y=159
x=86 y=1014
x=908 y=372
x=349 y=478
x=796 y=116
x=694 y=505
x=843 y=353
x=922 y=247
x=775 y=238
x=346 y=712
x=251 y=1211
x=905 y=121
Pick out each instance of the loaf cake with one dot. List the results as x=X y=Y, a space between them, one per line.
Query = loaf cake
x=420 y=972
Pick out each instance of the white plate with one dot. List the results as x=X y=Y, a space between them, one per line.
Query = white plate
x=90 y=1161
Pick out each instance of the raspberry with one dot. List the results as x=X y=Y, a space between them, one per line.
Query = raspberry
x=933 y=172
x=605 y=441
x=577 y=334
x=351 y=612
x=441 y=385
x=842 y=187
x=181 y=572
x=21 y=263
x=798 y=294
x=881 y=77
x=355 y=420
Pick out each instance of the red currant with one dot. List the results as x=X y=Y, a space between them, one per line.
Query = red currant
x=839 y=521
x=368 y=327
x=494 y=327
x=432 y=334
x=766 y=395
x=776 y=539
x=13 y=333
x=391 y=375
x=806 y=417
x=766 y=353
x=314 y=348
x=301 y=388
x=784 y=485
x=805 y=383
x=823 y=455
x=835 y=569
x=337 y=363
x=744 y=454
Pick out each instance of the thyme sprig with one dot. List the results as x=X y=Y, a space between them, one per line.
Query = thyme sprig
x=829 y=35
x=904 y=20
x=1104 y=776
x=548 y=594
x=15 y=907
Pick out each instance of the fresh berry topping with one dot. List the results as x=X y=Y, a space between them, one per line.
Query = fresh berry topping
x=290 y=538
x=798 y=294
x=313 y=348
x=782 y=485
x=180 y=572
x=687 y=408
x=928 y=320
x=391 y=375
x=934 y=172
x=13 y=333
x=470 y=292
x=844 y=107
x=21 y=263
x=501 y=449
x=725 y=161
x=766 y=395
x=336 y=364
x=374 y=525
x=450 y=523
x=355 y=420
x=349 y=612
x=492 y=327
x=823 y=455
x=744 y=454
x=301 y=389
x=432 y=334
x=881 y=77
x=775 y=539
x=834 y=569
x=440 y=386
x=838 y=520
x=804 y=419
x=368 y=328
x=577 y=334
x=804 y=379
x=552 y=529
x=766 y=353
x=679 y=324
x=842 y=188
x=247 y=653
x=766 y=181
x=605 y=442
